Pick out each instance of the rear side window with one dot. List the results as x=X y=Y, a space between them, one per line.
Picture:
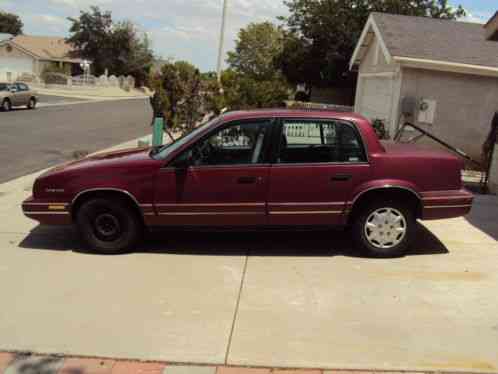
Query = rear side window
x=318 y=141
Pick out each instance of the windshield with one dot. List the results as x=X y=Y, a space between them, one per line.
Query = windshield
x=166 y=150
x=4 y=87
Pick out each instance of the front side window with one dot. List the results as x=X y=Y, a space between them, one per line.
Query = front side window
x=236 y=144
x=22 y=87
x=313 y=141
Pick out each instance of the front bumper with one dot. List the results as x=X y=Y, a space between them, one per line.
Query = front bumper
x=47 y=212
x=446 y=204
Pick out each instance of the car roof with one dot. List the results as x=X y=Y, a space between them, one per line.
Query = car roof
x=296 y=113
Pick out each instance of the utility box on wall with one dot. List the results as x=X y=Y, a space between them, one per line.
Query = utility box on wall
x=427 y=111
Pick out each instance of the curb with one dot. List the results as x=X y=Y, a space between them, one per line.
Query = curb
x=19 y=363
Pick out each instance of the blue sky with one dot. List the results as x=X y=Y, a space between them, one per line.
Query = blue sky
x=181 y=29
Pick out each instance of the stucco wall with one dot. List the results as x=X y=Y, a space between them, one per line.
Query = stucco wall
x=465 y=105
x=375 y=61
x=14 y=62
x=378 y=88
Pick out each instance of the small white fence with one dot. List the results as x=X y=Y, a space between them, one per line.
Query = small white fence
x=85 y=82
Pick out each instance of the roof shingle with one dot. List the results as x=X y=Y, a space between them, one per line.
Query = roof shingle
x=436 y=39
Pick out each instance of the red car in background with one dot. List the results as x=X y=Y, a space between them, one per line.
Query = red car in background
x=257 y=169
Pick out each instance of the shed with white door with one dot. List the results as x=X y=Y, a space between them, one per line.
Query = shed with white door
x=439 y=74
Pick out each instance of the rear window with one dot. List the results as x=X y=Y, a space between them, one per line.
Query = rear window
x=4 y=87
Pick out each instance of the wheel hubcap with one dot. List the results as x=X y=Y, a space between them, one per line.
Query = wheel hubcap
x=385 y=228
x=107 y=226
x=6 y=105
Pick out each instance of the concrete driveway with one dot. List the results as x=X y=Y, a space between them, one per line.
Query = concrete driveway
x=285 y=299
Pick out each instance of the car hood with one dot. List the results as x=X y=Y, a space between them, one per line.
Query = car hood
x=118 y=159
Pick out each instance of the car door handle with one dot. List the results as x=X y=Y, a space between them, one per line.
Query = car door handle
x=246 y=180
x=341 y=177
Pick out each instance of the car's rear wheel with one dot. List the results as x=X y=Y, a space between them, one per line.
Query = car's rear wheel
x=384 y=229
x=32 y=103
x=7 y=105
x=109 y=226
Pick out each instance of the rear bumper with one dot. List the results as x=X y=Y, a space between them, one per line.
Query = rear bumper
x=47 y=212
x=446 y=204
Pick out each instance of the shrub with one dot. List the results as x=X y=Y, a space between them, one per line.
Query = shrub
x=380 y=129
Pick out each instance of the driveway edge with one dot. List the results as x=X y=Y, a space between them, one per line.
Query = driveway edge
x=12 y=362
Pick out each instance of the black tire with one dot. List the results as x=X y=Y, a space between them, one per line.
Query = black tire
x=6 y=105
x=32 y=103
x=109 y=226
x=396 y=244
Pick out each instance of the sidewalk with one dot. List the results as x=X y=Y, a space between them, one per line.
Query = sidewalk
x=101 y=93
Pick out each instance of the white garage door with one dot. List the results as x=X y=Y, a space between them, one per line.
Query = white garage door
x=376 y=98
x=16 y=66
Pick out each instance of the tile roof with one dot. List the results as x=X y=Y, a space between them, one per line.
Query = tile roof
x=45 y=47
x=435 y=39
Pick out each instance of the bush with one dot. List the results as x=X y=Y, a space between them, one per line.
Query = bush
x=380 y=129
x=53 y=74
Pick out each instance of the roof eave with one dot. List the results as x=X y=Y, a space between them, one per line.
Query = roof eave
x=447 y=66
x=370 y=26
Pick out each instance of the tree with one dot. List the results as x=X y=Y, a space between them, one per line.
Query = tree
x=10 y=23
x=256 y=49
x=179 y=85
x=117 y=47
x=253 y=79
x=241 y=91
x=92 y=38
x=321 y=34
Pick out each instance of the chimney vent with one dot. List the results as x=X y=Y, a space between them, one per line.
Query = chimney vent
x=492 y=28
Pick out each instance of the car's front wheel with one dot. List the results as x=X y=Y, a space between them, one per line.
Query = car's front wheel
x=384 y=229
x=7 y=105
x=32 y=103
x=109 y=226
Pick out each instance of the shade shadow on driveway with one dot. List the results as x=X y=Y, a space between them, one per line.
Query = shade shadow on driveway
x=313 y=243
x=484 y=215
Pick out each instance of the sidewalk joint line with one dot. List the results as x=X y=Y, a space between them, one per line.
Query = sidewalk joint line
x=236 y=312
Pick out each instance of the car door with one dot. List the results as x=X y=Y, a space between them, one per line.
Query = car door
x=22 y=94
x=14 y=95
x=225 y=182
x=317 y=165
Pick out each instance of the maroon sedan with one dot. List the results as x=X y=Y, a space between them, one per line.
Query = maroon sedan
x=266 y=168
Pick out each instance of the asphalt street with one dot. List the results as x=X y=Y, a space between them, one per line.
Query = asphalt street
x=50 y=99
x=47 y=136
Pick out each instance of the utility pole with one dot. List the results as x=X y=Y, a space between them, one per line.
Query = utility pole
x=222 y=39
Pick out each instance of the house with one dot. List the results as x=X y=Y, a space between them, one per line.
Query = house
x=25 y=54
x=439 y=74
